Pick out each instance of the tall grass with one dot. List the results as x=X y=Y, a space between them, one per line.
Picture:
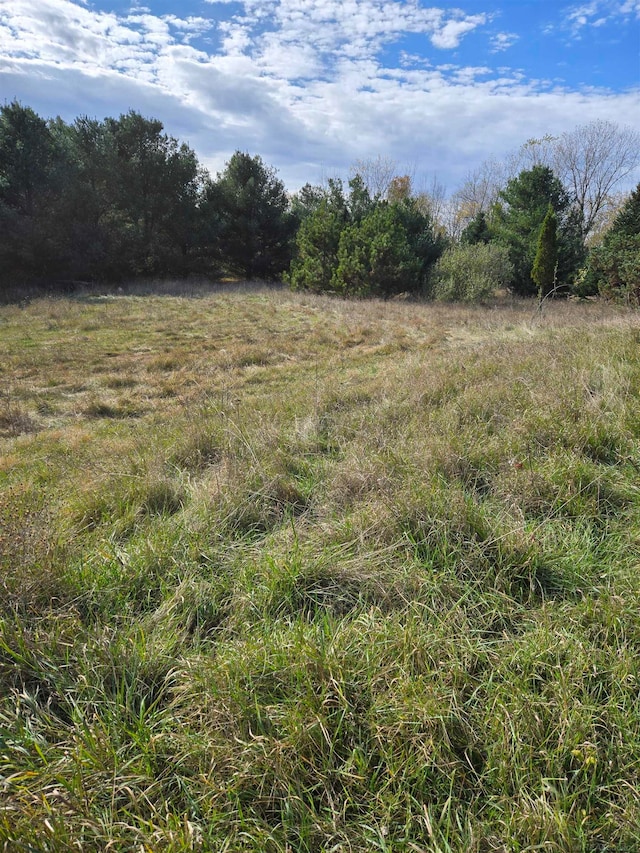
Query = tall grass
x=285 y=573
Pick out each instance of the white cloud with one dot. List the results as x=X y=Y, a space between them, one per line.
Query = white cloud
x=449 y=35
x=355 y=27
x=503 y=41
x=597 y=13
x=301 y=82
x=629 y=7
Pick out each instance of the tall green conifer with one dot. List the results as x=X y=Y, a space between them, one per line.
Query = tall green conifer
x=545 y=263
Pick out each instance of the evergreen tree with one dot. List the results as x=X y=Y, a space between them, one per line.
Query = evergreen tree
x=305 y=202
x=255 y=228
x=316 y=253
x=90 y=211
x=375 y=256
x=157 y=183
x=545 y=263
x=615 y=263
x=360 y=203
x=477 y=231
x=517 y=220
x=29 y=194
x=426 y=240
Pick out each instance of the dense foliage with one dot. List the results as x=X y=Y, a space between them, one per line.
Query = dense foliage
x=249 y=205
x=615 y=263
x=471 y=273
x=120 y=199
x=517 y=222
x=362 y=246
x=324 y=214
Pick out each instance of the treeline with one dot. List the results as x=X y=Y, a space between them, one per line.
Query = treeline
x=97 y=201
x=119 y=198
x=385 y=245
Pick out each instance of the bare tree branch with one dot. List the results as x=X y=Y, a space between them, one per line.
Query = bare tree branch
x=377 y=174
x=479 y=191
x=591 y=160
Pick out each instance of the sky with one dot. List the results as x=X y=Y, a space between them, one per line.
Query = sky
x=314 y=85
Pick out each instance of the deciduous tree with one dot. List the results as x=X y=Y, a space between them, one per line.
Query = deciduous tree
x=591 y=161
x=377 y=174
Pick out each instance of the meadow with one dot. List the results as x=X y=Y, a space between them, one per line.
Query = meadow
x=281 y=572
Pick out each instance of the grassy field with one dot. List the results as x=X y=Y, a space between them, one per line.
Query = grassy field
x=286 y=573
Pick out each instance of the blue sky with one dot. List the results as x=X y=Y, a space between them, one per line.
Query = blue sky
x=313 y=85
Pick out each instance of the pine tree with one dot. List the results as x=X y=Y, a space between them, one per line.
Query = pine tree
x=517 y=219
x=615 y=263
x=317 y=241
x=477 y=231
x=376 y=255
x=254 y=226
x=545 y=264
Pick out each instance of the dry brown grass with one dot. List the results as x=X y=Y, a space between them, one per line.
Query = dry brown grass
x=284 y=572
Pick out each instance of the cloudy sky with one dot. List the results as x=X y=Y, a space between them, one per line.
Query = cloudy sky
x=312 y=85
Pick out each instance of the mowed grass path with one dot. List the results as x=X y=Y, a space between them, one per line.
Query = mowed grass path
x=287 y=573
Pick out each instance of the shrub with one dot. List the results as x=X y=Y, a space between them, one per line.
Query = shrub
x=471 y=273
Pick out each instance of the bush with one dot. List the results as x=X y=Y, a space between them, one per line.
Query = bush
x=471 y=273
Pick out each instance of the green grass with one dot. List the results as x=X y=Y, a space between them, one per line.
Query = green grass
x=286 y=573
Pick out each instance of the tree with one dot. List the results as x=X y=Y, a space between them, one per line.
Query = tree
x=178 y=223
x=157 y=183
x=359 y=245
x=479 y=192
x=317 y=241
x=539 y=151
x=432 y=201
x=477 y=231
x=545 y=263
x=615 y=263
x=255 y=226
x=29 y=193
x=305 y=202
x=399 y=189
x=376 y=173
x=591 y=160
x=26 y=158
x=88 y=214
x=375 y=255
x=517 y=220
x=360 y=202
x=426 y=239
